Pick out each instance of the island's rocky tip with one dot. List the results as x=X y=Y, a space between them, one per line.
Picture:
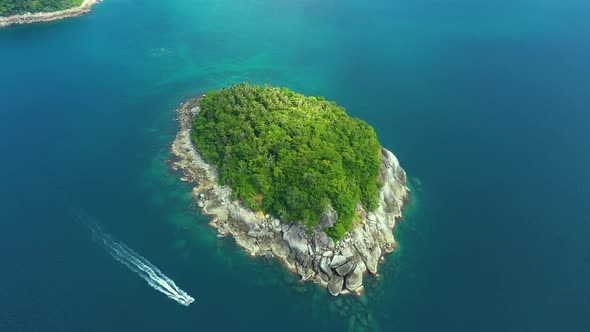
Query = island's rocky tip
x=309 y=252
x=7 y=18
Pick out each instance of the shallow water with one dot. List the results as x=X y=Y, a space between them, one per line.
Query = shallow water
x=486 y=103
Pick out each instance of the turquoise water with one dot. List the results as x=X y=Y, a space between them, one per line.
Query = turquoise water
x=486 y=103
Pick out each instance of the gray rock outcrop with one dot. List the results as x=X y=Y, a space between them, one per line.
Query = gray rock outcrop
x=354 y=280
x=345 y=268
x=329 y=218
x=335 y=285
x=337 y=261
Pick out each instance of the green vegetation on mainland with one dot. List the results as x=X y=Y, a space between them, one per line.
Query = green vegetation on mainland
x=16 y=7
x=290 y=155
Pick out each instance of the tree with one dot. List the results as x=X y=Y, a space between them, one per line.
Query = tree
x=14 y=7
x=290 y=155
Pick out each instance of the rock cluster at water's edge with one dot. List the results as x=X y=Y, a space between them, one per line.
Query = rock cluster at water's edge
x=313 y=256
x=28 y=18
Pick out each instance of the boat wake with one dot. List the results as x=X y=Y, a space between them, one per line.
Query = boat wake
x=135 y=262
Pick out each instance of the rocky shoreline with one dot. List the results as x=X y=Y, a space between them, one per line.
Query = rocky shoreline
x=313 y=256
x=27 y=18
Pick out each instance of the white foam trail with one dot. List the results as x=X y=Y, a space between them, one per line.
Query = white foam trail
x=136 y=263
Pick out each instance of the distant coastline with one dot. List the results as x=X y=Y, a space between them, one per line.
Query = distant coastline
x=27 y=18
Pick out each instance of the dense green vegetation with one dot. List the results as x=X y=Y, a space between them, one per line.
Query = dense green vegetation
x=13 y=7
x=290 y=155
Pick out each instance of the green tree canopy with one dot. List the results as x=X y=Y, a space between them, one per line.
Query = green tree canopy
x=14 y=7
x=290 y=155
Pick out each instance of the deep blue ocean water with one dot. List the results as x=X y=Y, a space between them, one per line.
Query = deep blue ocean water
x=486 y=103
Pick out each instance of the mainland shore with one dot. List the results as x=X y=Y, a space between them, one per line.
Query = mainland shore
x=313 y=255
x=27 y=18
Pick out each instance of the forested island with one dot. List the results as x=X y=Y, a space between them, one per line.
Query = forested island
x=292 y=177
x=14 y=7
x=30 y=11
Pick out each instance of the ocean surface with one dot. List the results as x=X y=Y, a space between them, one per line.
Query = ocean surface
x=486 y=103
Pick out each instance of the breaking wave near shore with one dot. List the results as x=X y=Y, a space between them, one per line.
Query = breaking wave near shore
x=135 y=262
